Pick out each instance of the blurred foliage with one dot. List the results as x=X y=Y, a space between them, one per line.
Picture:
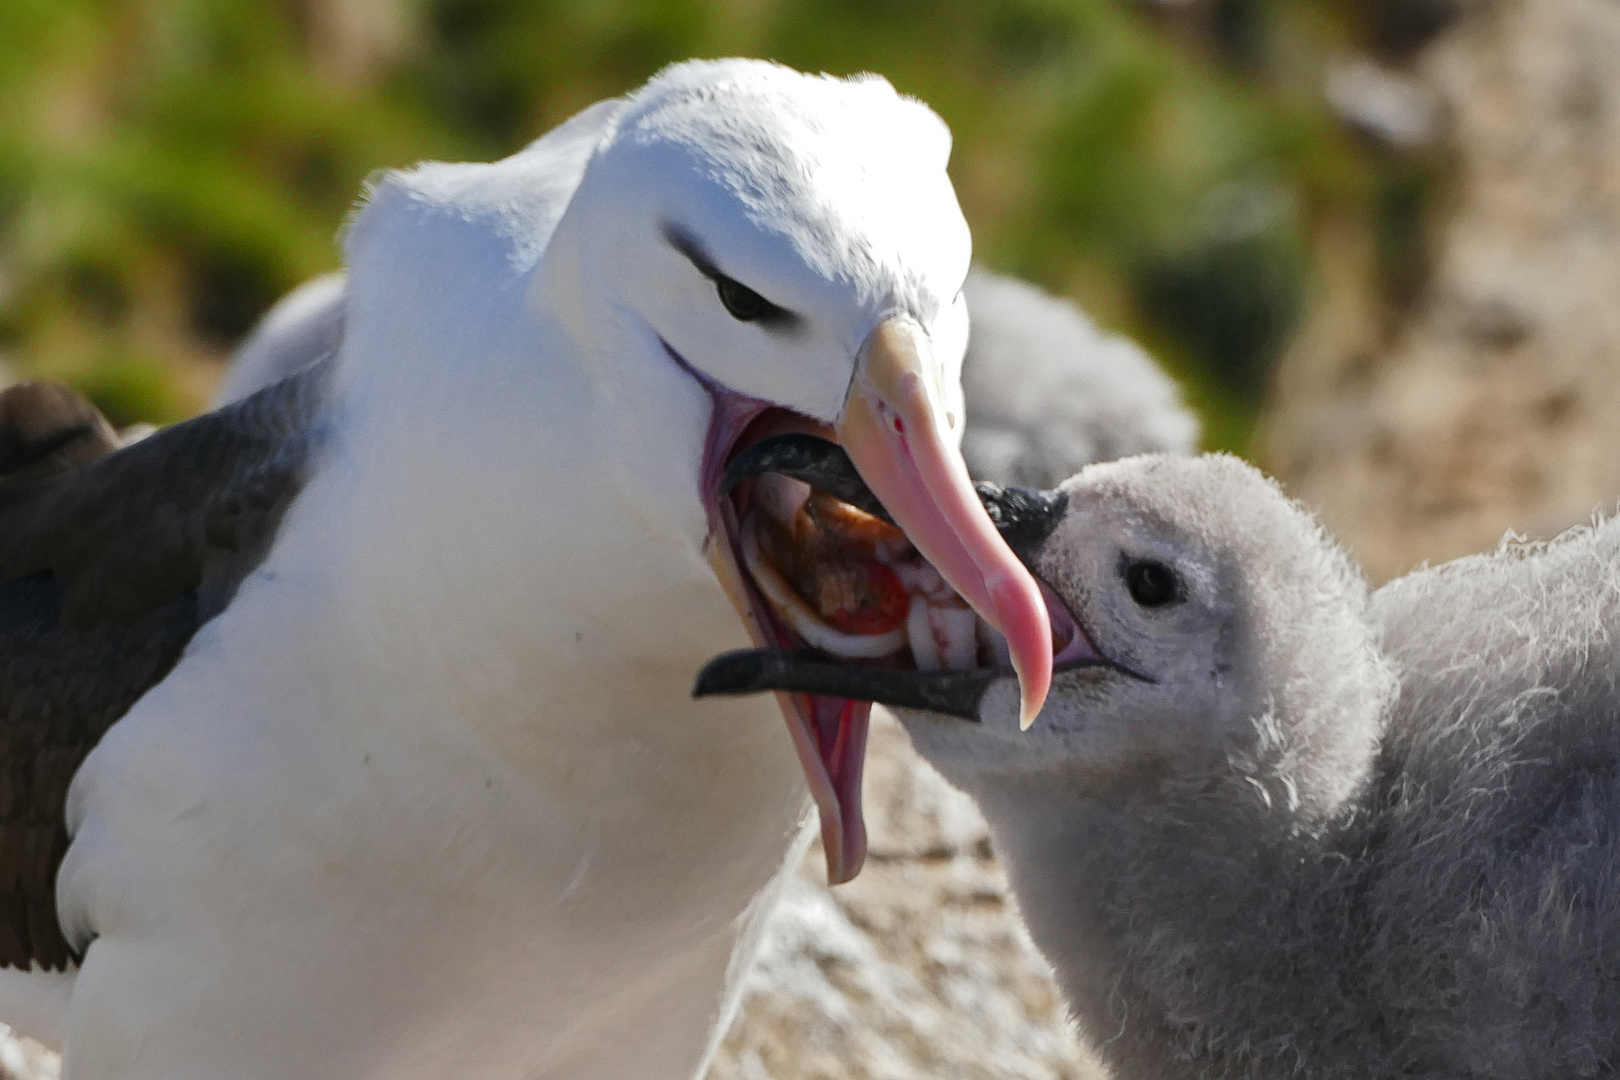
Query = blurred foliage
x=169 y=167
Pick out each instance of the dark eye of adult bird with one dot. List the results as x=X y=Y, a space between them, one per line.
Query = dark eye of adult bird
x=1151 y=584
x=744 y=303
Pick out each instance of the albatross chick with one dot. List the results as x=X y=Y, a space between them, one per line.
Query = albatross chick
x=1270 y=826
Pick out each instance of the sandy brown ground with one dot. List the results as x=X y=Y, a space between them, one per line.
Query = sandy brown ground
x=1493 y=401
x=919 y=968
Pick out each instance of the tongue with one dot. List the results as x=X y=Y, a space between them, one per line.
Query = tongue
x=831 y=738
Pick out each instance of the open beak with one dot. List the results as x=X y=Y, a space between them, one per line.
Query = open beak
x=893 y=432
x=893 y=428
x=1025 y=519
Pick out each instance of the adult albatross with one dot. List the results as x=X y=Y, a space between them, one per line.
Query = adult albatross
x=408 y=782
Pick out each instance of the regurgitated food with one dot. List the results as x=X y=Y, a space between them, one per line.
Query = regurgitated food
x=850 y=584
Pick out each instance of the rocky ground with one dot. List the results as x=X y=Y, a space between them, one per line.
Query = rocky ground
x=25 y=1059
x=1423 y=426
x=918 y=969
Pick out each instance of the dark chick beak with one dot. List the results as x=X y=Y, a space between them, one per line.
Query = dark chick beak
x=952 y=693
x=751 y=671
x=1024 y=517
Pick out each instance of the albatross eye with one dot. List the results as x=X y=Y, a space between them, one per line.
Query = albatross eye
x=1151 y=584
x=744 y=303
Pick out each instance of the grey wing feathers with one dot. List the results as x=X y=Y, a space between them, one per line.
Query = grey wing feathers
x=101 y=558
x=60 y=690
x=135 y=529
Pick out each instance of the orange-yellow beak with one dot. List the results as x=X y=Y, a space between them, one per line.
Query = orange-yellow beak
x=893 y=428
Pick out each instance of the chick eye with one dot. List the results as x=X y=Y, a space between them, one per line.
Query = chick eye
x=744 y=303
x=1151 y=584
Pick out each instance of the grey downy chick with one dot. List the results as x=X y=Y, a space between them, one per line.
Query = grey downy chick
x=1268 y=826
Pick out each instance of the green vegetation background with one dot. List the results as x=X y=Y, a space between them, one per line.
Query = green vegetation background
x=169 y=167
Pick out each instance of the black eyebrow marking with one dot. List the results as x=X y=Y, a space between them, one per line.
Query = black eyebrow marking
x=775 y=317
x=690 y=246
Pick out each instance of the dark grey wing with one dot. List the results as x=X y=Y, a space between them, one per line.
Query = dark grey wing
x=138 y=528
x=60 y=690
x=108 y=565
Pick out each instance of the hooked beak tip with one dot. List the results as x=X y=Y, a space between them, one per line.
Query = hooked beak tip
x=894 y=433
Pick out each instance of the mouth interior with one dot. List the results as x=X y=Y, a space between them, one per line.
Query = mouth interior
x=826 y=577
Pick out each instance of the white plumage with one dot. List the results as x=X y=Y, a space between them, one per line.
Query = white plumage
x=428 y=797
x=1046 y=391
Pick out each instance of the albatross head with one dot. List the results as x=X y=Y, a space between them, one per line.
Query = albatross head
x=792 y=244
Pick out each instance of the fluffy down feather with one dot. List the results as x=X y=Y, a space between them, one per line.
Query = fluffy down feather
x=1337 y=835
